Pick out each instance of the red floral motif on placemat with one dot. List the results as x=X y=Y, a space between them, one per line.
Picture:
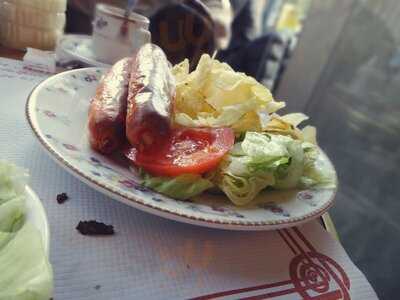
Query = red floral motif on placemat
x=313 y=276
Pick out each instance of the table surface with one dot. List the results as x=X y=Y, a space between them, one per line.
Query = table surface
x=11 y=53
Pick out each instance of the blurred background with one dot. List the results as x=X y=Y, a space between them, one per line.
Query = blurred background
x=344 y=73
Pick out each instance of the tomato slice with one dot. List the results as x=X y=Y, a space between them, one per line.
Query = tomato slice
x=188 y=150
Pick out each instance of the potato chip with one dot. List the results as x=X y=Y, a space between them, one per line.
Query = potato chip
x=295 y=118
x=310 y=134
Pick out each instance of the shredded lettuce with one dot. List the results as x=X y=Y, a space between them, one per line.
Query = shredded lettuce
x=242 y=189
x=270 y=151
x=214 y=95
x=264 y=160
x=256 y=162
x=317 y=173
x=25 y=271
x=12 y=181
x=12 y=214
x=182 y=187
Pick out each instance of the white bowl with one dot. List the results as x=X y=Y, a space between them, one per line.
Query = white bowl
x=37 y=216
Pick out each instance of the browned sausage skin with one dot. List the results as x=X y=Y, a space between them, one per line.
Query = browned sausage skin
x=107 y=110
x=151 y=90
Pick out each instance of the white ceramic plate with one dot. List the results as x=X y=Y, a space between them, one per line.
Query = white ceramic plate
x=37 y=216
x=79 y=47
x=57 y=111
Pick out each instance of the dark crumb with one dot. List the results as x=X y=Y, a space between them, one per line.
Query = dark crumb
x=187 y=267
x=61 y=198
x=94 y=228
x=97 y=287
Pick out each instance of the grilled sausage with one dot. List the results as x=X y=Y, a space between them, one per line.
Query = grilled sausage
x=107 y=110
x=151 y=90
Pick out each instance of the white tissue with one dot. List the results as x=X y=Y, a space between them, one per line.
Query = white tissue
x=39 y=60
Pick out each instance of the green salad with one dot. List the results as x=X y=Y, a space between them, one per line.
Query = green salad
x=25 y=271
x=259 y=161
x=269 y=150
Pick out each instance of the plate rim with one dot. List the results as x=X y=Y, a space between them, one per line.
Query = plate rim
x=136 y=202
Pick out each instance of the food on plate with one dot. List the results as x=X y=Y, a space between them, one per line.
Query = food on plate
x=214 y=95
x=151 y=92
x=187 y=151
x=264 y=160
x=215 y=129
x=107 y=110
x=25 y=269
x=180 y=187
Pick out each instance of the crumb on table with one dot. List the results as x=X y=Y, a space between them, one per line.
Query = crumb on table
x=61 y=198
x=93 y=227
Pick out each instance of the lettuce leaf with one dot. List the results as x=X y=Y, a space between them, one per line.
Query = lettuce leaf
x=182 y=187
x=214 y=95
x=317 y=172
x=242 y=189
x=295 y=169
x=25 y=271
x=12 y=214
x=12 y=181
x=264 y=160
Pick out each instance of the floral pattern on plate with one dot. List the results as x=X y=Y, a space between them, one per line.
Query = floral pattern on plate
x=57 y=113
x=275 y=209
x=61 y=118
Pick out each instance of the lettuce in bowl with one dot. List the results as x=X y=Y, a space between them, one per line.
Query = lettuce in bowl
x=26 y=273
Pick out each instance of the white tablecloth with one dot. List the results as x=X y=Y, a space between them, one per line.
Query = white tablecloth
x=153 y=258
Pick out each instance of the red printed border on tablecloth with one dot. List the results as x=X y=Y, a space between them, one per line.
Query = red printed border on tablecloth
x=313 y=276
